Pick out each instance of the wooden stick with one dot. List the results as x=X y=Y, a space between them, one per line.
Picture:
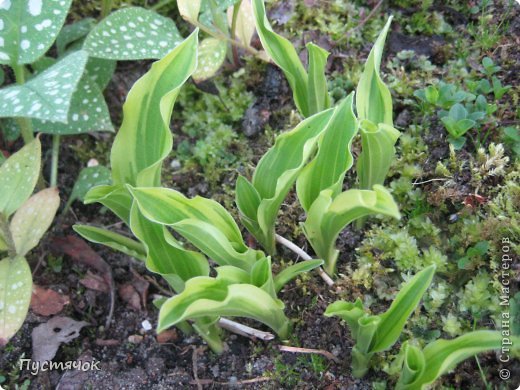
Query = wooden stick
x=327 y=354
x=244 y=330
x=305 y=256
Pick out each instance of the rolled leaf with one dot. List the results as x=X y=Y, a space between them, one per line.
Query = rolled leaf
x=327 y=217
x=373 y=99
x=112 y=240
x=317 y=93
x=33 y=219
x=15 y=296
x=115 y=197
x=18 y=177
x=440 y=356
x=327 y=170
x=29 y=28
x=133 y=33
x=204 y=296
x=275 y=174
x=377 y=153
x=144 y=139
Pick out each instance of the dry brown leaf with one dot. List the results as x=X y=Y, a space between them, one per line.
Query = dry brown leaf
x=95 y=282
x=47 y=302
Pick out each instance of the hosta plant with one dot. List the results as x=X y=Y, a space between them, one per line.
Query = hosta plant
x=377 y=333
x=24 y=219
x=319 y=183
x=245 y=285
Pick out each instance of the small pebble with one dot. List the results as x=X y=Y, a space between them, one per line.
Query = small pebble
x=175 y=164
x=135 y=339
x=146 y=325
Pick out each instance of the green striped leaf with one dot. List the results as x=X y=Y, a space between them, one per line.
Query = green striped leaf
x=327 y=170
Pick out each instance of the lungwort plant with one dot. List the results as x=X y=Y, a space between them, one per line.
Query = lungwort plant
x=24 y=219
x=245 y=285
x=331 y=133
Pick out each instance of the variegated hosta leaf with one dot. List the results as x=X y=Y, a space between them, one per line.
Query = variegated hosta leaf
x=329 y=215
x=275 y=174
x=284 y=55
x=15 y=296
x=377 y=153
x=204 y=296
x=245 y=21
x=422 y=368
x=376 y=333
x=18 y=177
x=29 y=28
x=165 y=255
x=88 y=178
x=88 y=112
x=327 y=170
x=212 y=53
x=317 y=92
x=145 y=139
x=114 y=197
x=203 y=222
x=73 y=32
x=189 y=9
x=373 y=99
x=132 y=33
x=46 y=96
x=112 y=240
x=309 y=90
x=33 y=219
x=394 y=319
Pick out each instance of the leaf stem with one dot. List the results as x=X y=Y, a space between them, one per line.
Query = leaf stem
x=305 y=256
x=54 y=161
x=7 y=236
x=219 y=35
x=25 y=124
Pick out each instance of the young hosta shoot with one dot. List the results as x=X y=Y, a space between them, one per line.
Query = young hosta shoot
x=374 y=109
x=147 y=113
x=309 y=86
x=276 y=172
x=20 y=234
x=377 y=333
x=422 y=367
x=329 y=215
x=378 y=152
